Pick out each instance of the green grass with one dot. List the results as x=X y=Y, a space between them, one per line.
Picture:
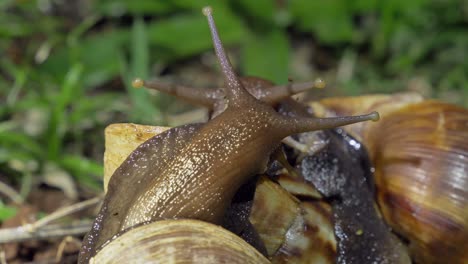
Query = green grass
x=63 y=78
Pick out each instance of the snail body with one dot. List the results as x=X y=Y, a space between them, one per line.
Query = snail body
x=193 y=171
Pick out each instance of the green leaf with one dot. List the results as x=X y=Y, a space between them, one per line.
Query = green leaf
x=197 y=6
x=6 y=4
x=267 y=56
x=7 y=212
x=261 y=10
x=12 y=26
x=8 y=154
x=120 y=7
x=87 y=172
x=186 y=35
x=98 y=53
x=363 y=5
x=330 y=20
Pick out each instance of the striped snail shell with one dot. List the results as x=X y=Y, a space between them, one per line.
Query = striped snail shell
x=420 y=153
x=178 y=241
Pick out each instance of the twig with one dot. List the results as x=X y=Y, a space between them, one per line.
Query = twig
x=61 y=247
x=2 y=257
x=20 y=233
x=61 y=212
x=40 y=229
x=10 y=193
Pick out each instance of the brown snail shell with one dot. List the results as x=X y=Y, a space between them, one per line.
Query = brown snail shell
x=178 y=241
x=420 y=153
x=385 y=104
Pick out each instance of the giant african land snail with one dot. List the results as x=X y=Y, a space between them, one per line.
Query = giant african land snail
x=193 y=171
x=426 y=250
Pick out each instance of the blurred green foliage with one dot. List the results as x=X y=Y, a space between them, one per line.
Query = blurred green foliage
x=60 y=58
x=6 y=211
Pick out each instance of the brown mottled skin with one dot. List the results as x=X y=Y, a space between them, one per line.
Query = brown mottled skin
x=193 y=171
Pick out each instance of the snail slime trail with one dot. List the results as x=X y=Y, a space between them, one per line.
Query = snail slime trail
x=193 y=171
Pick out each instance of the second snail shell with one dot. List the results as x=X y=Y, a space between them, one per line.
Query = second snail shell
x=420 y=153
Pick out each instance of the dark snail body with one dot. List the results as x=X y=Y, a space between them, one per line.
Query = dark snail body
x=194 y=171
x=362 y=236
x=341 y=172
x=236 y=217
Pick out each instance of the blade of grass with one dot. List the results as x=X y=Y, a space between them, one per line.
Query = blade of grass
x=78 y=32
x=26 y=184
x=9 y=139
x=143 y=108
x=20 y=80
x=86 y=172
x=140 y=49
x=81 y=165
x=57 y=118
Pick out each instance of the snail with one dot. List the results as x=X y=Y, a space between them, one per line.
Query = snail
x=457 y=253
x=193 y=171
x=420 y=153
x=279 y=217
